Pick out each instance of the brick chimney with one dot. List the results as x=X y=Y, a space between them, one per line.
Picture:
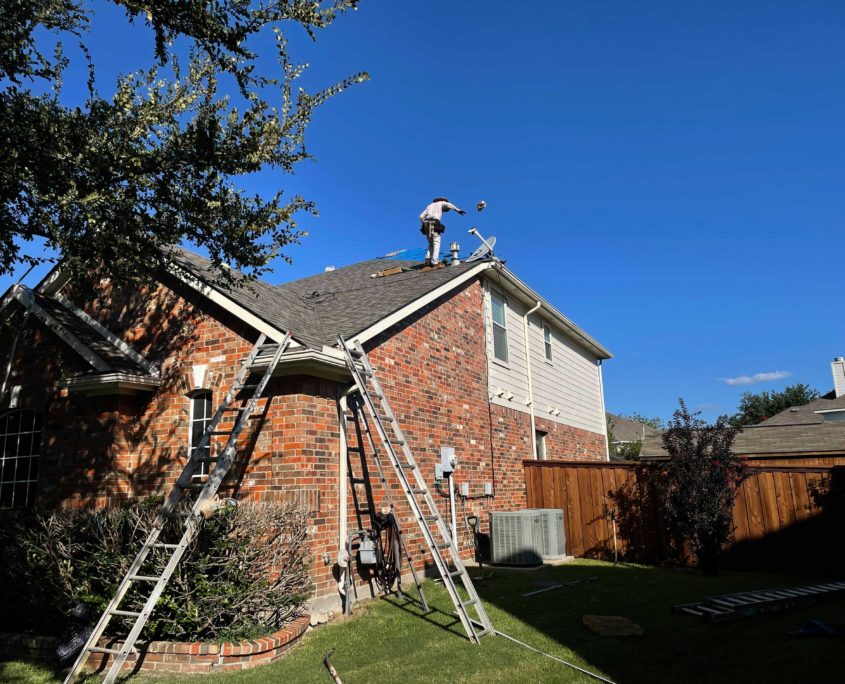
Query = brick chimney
x=838 y=368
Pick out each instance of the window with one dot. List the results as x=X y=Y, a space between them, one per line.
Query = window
x=547 y=341
x=20 y=447
x=200 y=418
x=500 y=329
x=540 y=444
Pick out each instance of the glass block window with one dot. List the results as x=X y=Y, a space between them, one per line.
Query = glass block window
x=20 y=448
x=547 y=341
x=500 y=328
x=200 y=418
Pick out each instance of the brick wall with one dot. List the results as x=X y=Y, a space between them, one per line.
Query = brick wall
x=433 y=366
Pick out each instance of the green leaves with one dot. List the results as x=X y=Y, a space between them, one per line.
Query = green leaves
x=115 y=183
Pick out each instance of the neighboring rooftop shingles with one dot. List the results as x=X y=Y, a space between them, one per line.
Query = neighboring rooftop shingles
x=110 y=354
x=344 y=301
x=804 y=415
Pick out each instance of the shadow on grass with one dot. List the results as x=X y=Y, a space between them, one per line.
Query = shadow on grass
x=675 y=647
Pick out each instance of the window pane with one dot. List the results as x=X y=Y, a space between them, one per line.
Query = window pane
x=500 y=343
x=20 y=442
x=498 y=310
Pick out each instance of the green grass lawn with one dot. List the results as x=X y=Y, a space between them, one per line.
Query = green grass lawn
x=387 y=641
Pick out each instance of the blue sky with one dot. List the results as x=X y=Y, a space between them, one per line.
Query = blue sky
x=669 y=175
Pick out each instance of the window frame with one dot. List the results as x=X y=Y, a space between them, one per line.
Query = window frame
x=194 y=397
x=30 y=483
x=547 y=343
x=503 y=327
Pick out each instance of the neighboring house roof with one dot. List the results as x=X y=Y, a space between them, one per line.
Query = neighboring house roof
x=627 y=430
x=791 y=438
x=806 y=414
x=349 y=301
x=799 y=429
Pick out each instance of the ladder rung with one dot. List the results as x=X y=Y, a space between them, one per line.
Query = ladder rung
x=409 y=466
x=144 y=578
x=467 y=604
x=456 y=573
x=193 y=485
x=430 y=518
x=398 y=442
x=416 y=490
x=480 y=633
x=218 y=433
x=356 y=449
x=245 y=387
x=443 y=545
x=269 y=345
x=160 y=545
x=124 y=613
x=100 y=649
x=235 y=408
x=358 y=480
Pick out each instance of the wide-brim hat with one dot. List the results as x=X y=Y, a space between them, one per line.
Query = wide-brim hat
x=439 y=199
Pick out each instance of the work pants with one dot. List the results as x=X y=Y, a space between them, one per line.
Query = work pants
x=433 y=252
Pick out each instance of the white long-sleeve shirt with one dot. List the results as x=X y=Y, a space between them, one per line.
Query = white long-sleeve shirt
x=435 y=210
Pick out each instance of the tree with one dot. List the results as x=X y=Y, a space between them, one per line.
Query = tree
x=119 y=180
x=656 y=423
x=755 y=408
x=699 y=481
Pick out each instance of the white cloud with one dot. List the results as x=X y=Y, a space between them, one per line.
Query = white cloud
x=757 y=377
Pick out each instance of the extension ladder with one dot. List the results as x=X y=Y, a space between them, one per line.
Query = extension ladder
x=743 y=604
x=434 y=529
x=359 y=419
x=190 y=521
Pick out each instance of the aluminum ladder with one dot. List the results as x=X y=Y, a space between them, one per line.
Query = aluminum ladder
x=422 y=503
x=746 y=603
x=190 y=521
x=358 y=418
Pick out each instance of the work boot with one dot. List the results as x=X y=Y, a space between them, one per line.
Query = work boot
x=427 y=263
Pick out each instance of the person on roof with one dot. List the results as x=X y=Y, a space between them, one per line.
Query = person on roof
x=432 y=226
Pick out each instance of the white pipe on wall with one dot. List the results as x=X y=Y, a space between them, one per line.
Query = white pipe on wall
x=342 y=477
x=603 y=413
x=528 y=370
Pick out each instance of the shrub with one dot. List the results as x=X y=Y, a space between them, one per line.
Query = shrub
x=245 y=573
x=699 y=481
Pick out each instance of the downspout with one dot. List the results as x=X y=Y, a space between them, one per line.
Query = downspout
x=342 y=477
x=603 y=413
x=528 y=370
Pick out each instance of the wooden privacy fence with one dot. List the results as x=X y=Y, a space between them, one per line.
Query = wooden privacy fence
x=785 y=518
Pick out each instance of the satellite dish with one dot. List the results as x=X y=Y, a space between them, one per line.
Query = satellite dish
x=482 y=252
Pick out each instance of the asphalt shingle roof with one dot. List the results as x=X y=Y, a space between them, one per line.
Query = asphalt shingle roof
x=110 y=354
x=344 y=301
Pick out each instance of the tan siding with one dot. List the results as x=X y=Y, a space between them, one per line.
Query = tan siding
x=569 y=384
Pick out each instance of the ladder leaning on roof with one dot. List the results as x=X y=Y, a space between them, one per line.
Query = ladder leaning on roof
x=261 y=353
x=434 y=529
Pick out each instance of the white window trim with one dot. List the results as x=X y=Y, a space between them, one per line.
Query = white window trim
x=501 y=362
x=204 y=467
x=548 y=353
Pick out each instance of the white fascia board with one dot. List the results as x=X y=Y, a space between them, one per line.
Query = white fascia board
x=328 y=363
x=25 y=297
x=530 y=297
x=111 y=383
x=416 y=305
x=834 y=410
x=232 y=306
x=107 y=334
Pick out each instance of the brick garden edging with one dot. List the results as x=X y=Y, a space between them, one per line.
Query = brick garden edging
x=169 y=656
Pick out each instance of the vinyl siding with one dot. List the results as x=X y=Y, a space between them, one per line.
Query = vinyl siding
x=569 y=383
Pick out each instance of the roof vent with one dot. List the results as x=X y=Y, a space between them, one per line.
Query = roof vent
x=329 y=269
